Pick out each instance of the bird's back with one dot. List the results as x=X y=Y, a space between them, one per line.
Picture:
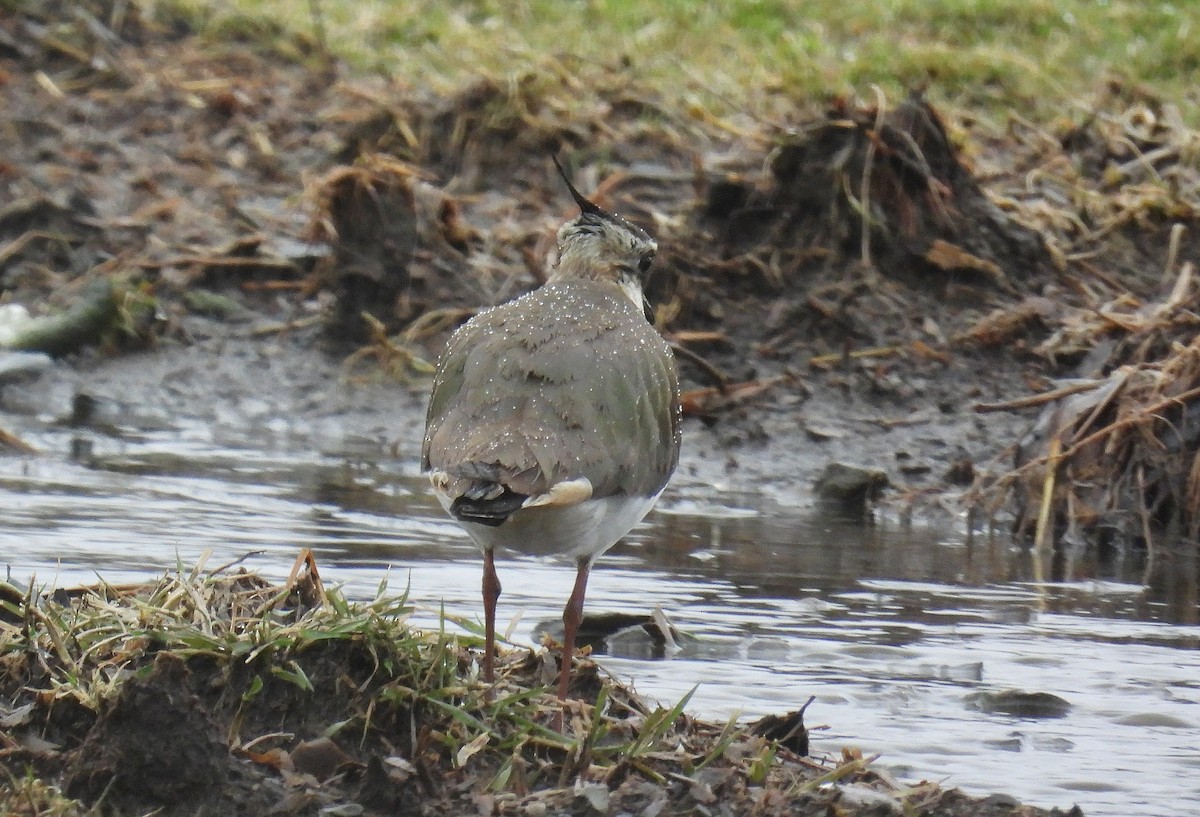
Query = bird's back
x=568 y=381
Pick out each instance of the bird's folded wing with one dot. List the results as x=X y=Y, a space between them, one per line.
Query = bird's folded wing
x=545 y=404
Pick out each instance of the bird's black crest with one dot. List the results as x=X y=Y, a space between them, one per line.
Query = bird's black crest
x=584 y=205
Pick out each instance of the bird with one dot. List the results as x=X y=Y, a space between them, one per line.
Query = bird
x=554 y=419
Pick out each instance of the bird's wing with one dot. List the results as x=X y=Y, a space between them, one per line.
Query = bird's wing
x=568 y=386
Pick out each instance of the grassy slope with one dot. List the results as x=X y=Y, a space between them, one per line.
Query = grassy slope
x=992 y=56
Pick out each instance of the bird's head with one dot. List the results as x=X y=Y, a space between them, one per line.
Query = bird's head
x=601 y=245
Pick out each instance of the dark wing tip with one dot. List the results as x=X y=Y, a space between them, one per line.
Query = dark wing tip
x=491 y=512
x=584 y=205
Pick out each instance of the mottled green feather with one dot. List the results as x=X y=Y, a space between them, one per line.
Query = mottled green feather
x=568 y=381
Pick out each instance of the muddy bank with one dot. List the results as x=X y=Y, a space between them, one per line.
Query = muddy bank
x=227 y=694
x=249 y=210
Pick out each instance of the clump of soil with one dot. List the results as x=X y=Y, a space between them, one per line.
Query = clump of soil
x=370 y=221
x=888 y=187
x=154 y=746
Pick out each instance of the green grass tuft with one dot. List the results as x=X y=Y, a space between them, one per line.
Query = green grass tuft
x=750 y=56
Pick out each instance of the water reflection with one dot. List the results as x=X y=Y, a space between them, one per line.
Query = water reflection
x=892 y=627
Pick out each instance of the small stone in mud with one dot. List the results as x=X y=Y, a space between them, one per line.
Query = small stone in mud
x=216 y=305
x=960 y=472
x=1019 y=704
x=320 y=758
x=850 y=487
x=821 y=433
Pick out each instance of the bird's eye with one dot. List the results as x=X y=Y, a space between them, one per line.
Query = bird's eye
x=644 y=264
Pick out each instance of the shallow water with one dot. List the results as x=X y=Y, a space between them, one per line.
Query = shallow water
x=891 y=627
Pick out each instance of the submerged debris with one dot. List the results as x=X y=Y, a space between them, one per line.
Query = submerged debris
x=626 y=635
x=1020 y=703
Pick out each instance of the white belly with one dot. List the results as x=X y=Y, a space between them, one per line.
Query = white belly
x=581 y=531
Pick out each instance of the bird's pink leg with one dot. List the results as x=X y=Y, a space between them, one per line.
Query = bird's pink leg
x=491 y=593
x=572 y=616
